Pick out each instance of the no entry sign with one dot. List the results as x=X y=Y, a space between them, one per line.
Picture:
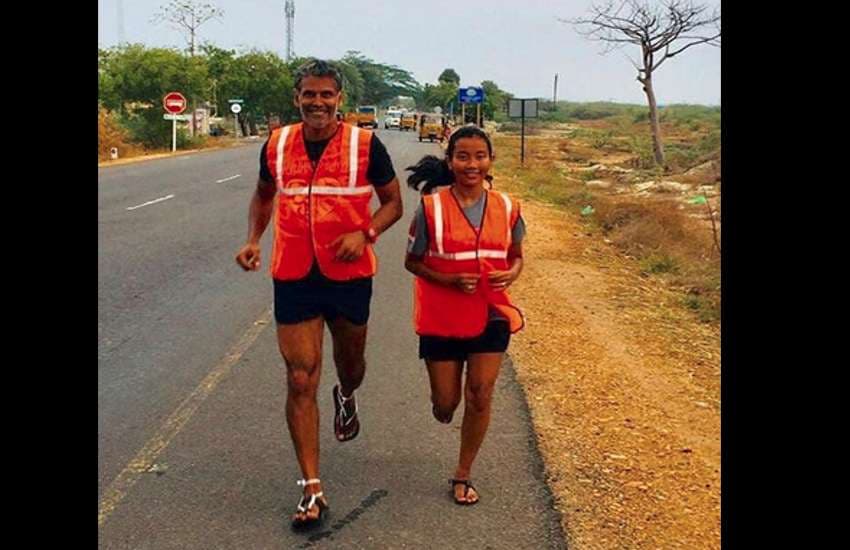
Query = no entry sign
x=174 y=103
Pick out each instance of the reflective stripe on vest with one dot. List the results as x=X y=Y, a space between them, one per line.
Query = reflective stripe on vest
x=281 y=142
x=467 y=255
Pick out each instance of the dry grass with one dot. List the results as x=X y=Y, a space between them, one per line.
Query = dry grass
x=670 y=240
x=111 y=134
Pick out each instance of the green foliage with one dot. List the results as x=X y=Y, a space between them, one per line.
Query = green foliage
x=440 y=96
x=134 y=75
x=495 y=100
x=381 y=82
x=449 y=76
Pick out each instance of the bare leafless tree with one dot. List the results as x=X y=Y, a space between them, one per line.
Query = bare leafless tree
x=662 y=30
x=187 y=16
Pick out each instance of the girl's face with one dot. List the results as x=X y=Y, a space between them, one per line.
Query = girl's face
x=470 y=161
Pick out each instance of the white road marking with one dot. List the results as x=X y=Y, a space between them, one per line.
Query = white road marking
x=151 y=202
x=228 y=179
x=145 y=459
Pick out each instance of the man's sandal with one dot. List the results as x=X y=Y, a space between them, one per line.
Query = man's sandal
x=467 y=485
x=308 y=502
x=346 y=423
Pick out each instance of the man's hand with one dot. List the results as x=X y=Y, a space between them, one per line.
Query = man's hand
x=501 y=280
x=351 y=246
x=465 y=282
x=248 y=257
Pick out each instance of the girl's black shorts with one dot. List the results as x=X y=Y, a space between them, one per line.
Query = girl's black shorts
x=494 y=339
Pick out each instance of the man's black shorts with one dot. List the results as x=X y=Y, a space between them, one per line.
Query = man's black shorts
x=314 y=295
x=494 y=339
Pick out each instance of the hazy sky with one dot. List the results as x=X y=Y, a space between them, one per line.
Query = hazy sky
x=519 y=44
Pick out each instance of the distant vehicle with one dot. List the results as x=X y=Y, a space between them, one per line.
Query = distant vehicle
x=431 y=127
x=408 y=121
x=392 y=119
x=367 y=115
x=351 y=118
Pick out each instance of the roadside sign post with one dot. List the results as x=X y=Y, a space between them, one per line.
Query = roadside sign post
x=522 y=109
x=236 y=108
x=470 y=95
x=174 y=103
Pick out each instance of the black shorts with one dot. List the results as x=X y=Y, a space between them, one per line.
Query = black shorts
x=494 y=339
x=315 y=295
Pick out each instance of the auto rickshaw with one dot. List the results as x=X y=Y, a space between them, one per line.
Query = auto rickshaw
x=431 y=127
x=351 y=118
x=408 y=121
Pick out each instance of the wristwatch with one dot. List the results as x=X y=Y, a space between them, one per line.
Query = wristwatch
x=371 y=234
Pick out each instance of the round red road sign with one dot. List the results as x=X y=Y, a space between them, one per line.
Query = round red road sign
x=174 y=103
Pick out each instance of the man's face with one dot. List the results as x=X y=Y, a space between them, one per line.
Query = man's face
x=318 y=100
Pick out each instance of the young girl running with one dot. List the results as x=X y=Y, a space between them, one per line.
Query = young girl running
x=465 y=250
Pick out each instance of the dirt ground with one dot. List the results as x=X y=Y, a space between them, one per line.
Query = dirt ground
x=624 y=390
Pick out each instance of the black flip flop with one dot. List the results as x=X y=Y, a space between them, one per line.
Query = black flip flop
x=467 y=486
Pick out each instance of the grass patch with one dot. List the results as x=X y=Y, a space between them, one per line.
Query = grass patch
x=665 y=241
x=658 y=263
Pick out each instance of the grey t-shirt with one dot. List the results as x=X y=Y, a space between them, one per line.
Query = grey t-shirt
x=419 y=244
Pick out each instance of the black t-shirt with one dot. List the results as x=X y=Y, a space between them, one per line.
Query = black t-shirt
x=379 y=172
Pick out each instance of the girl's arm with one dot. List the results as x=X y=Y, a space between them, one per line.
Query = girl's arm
x=465 y=282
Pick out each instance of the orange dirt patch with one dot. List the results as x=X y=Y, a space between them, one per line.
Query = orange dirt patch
x=624 y=390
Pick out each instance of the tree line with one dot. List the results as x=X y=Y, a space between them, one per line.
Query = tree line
x=133 y=78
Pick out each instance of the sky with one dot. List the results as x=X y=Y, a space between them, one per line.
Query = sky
x=518 y=44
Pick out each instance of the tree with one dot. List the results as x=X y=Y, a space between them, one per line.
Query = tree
x=352 y=85
x=440 y=95
x=187 y=16
x=494 y=99
x=449 y=76
x=134 y=79
x=263 y=81
x=661 y=32
x=381 y=82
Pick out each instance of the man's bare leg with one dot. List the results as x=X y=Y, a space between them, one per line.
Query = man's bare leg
x=301 y=347
x=349 y=343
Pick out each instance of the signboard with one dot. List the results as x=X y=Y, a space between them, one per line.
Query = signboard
x=235 y=108
x=470 y=95
x=522 y=108
x=174 y=103
x=236 y=101
x=177 y=117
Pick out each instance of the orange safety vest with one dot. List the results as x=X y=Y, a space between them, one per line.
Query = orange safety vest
x=454 y=246
x=315 y=205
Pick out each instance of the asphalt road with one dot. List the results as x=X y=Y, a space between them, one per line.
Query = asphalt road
x=193 y=450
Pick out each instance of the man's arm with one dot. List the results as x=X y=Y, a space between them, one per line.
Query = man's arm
x=259 y=215
x=391 y=208
x=352 y=245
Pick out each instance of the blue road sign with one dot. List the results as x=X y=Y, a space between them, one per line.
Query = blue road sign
x=470 y=95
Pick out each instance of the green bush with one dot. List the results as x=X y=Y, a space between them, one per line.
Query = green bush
x=659 y=263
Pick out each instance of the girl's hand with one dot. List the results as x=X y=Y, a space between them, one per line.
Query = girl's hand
x=501 y=280
x=465 y=282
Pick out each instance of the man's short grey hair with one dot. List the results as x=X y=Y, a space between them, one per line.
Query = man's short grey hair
x=320 y=68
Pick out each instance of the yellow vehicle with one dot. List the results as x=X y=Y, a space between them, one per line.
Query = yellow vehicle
x=367 y=115
x=408 y=121
x=351 y=118
x=431 y=127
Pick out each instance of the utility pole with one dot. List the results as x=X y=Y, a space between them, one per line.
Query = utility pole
x=289 y=10
x=120 y=6
x=555 y=93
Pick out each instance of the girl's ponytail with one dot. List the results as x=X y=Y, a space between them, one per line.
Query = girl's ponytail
x=431 y=170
